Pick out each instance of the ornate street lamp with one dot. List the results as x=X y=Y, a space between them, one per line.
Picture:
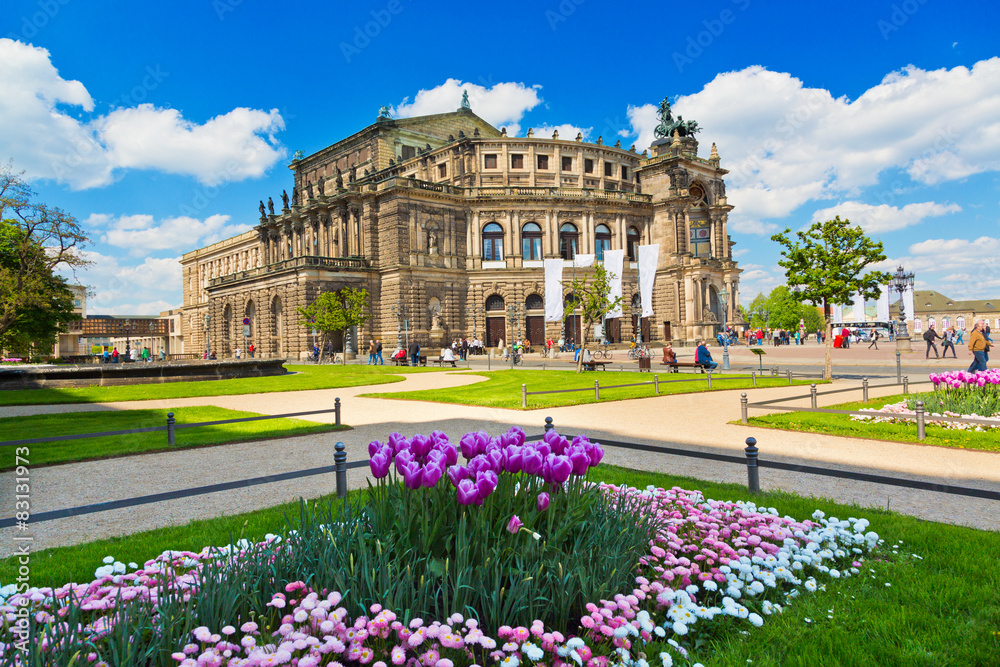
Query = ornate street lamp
x=128 y=329
x=514 y=313
x=397 y=312
x=723 y=302
x=902 y=281
x=208 y=349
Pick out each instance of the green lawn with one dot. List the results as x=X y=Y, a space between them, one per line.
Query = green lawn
x=942 y=608
x=45 y=426
x=503 y=389
x=303 y=377
x=844 y=425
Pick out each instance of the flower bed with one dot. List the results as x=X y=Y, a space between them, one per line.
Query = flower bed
x=525 y=516
x=886 y=413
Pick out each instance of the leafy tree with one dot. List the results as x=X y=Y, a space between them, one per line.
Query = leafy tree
x=593 y=300
x=828 y=263
x=35 y=329
x=757 y=312
x=35 y=240
x=335 y=311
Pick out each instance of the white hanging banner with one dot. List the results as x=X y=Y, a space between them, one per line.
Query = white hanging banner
x=649 y=256
x=836 y=313
x=583 y=261
x=553 y=290
x=614 y=262
x=882 y=305
x=859 y=308
x=908 y=303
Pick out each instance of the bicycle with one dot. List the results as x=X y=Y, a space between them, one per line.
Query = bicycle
x=603 y=352
x=638 y=352
x=518 y=358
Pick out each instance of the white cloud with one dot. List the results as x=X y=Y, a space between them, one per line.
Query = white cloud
x=141 y=234
x=566 y=131
x=885 y=218
x=746 y=226
x=959 y=268
x=502 y=105
x=147 y=288
x=38 y=132
x=740 y=252
x=786 y=144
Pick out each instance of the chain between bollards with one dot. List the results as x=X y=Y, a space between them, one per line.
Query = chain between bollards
x=906 y=385
x=170 y=429
x=656 y=384
x=812 y=395
x=340 y=463
x=597 y=391
x=743 y=408
x=336 y=411
x=864 y=389
x=524 y=395
x=753 y=474
x=548 y=424
x=921 y=431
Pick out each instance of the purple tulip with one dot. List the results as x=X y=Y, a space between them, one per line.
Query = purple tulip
x=437 y=457
x=432 y=472
x=559 y=468
x=412 y=474
x=479 y=464
x=512 y=459
x=420 y=445
x=543 y=501
x=486 y=482
x=519 y=435
x=457 y=473
x=398 y=442
x=439 y=438
x=514 y=524
x=556 y=442
x=596 y=453
x=450 y=454
x=467 y=493
x=403 y=457
x=468 y=446
x=532 y=461
x=380 y=464
x=495 y=457
x=544 y=448
x=580 y=461
x=373 y=447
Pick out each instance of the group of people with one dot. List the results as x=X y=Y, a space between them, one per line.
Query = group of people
x=113 y=356
x=980 y=343
x=375 y=352
x=251 y=350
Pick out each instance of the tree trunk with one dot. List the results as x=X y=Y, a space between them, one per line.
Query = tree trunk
x=583 y=346
x=828 y=367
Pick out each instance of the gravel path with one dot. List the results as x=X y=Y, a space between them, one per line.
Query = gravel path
x=695 y=421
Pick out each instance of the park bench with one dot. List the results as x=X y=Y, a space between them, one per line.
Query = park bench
x=592 y=365
x=441 y=362
x=403 y=361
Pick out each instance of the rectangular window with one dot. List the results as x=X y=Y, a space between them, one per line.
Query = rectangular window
x=531 y=248
x=600 y=246
x=609 y=169
x=408 y=152
x=624 y=173
x=701 y=246
x=588 y=166
x=492 y=250
x=442 y=170
x=543 y=161
x=567 y=164
x=517 y=161
x=490 y=162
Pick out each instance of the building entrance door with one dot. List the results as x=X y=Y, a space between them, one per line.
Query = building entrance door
x=645 y=328
x=666 y=331
x=495 y=327
x=534 y=326
x=573 y=329
x=613 y=330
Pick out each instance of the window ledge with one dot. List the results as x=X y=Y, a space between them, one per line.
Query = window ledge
x=532 y=263
x=501 y=264
x=633 y=265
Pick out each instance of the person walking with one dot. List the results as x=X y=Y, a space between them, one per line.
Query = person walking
x=371 y=351
x=930 y=336
x=979 y=348
x=960 y=336
x=251 y=350
x=379 y=359
x=414 y=351
x=237 y=354
x=949 y=341
x=163 y=354
x=874 y=340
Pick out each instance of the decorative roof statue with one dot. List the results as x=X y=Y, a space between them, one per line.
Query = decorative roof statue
x=385 y=112
x=465 y=100
x=270 y=206
x=668 y=125
x=340 y=179
x=284 y=200
x=295 y=195
x=261 y=209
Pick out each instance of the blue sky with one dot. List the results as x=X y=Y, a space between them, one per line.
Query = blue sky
x=160 y=129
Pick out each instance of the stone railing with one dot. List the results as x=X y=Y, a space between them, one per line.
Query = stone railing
x=304 y=261
x=516 y=191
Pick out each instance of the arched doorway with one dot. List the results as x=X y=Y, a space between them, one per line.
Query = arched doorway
x=227 y=330
x=250 y=329
x=573 y=325
x=534 y=319
x=277 y=326
x=495 y=328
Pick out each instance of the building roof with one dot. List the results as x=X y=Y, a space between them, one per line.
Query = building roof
x=929 y=301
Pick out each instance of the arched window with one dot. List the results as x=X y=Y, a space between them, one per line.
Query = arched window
x=635 y=301
x=945 y=322
x=531 y=241
x=916 y=325
x=697 y=195
x=568 y=240
x=492 y=243
x=960 y=323
x=602 y=241
x=633 y=244
x=494 y=303
x=931 y=322
x=534 y=302
x=571 y=301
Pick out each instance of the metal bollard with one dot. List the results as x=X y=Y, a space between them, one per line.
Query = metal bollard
x=336 y=411
x=789 y=376
x=743 y=408
x=656 y=384
x=524 y=395
x=340 y=463
x=921 y=433
x=753 y=474
x=753 y=378
x=548 y=424
x=597 y=391
x=812 y=394
x=170 y=429
x=906 y=385
x=899 y=369
x=864 y=389
x=709 y=379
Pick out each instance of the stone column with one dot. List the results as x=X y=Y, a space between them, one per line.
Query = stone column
x=689 y=301
x=713 y=252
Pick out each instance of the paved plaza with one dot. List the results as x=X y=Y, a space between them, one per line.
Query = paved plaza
x=698 y=422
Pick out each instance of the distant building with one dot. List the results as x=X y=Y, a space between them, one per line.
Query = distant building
x=70 y=343
x=935 y=308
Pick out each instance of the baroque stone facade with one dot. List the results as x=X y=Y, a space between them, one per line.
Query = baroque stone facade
x=445 y=220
